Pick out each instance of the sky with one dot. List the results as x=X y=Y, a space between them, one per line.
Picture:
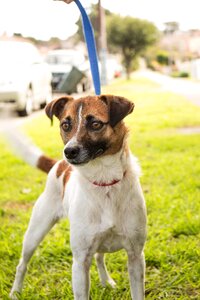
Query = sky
x=44 y=19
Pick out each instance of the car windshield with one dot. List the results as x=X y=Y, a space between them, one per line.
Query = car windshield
x=59 y=59
x=71 y=58
x=18 y=53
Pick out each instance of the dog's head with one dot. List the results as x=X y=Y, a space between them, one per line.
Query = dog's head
x=90 y=126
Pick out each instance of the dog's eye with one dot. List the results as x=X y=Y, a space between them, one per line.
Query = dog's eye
x=96 y=125
x=66 y=126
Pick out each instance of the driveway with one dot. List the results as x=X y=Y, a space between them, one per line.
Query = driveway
x=185 y=87
x=9 y=119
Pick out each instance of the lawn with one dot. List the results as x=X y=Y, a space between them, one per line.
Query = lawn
x=171 y=184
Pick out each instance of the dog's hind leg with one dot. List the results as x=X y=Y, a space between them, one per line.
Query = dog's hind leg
x=46 y=213
x=102 y=270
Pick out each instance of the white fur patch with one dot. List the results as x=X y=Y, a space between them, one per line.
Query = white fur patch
x=79 y=119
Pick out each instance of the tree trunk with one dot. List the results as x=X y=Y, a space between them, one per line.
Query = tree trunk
x=128 y=72
x=127 y=64
x=128 y=75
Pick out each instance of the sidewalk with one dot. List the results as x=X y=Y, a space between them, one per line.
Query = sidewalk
x=185 y=87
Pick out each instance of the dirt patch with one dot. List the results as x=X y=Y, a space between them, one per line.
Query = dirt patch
x=17 y=206
x=189 y=130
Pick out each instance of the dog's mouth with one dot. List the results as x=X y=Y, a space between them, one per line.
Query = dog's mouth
x=82 y=153
x=84 y=157
x=77 y=162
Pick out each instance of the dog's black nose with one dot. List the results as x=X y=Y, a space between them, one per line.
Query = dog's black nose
x=72 y=152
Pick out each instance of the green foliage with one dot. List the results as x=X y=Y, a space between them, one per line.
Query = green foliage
x=94 y=18
x=171 y=27
x=93 y=15
x=130 y=36
x=134 y=65
x=126 y=35
x=156 y=59
x=162 y=57
x=181 y=74
x=170 y=181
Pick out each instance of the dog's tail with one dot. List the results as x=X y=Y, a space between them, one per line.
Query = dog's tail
x=23 y=147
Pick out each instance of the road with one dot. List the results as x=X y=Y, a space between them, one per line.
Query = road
x=10 y=119
x=185 y=87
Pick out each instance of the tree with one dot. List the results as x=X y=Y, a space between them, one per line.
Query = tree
x=131 y=37
x=94 y=18
x=171 y=27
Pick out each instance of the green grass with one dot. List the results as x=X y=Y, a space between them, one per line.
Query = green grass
x=171 y=168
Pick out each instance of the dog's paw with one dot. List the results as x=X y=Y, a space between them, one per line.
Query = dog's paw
x=14 y=295
x=112 y=283
x=109 y=282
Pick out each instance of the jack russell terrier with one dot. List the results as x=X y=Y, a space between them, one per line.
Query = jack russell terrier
x=97 y=186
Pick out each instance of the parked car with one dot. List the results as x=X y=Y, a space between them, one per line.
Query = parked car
x=25 y=79
x=114 y=68
x=70 y=71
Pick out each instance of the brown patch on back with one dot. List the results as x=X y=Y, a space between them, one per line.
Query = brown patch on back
x=45 y=163
x=17 y=206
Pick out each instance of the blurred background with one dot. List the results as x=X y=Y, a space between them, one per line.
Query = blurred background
x=42 y=47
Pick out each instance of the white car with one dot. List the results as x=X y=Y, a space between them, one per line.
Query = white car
x=25 y=79
x=70 y=71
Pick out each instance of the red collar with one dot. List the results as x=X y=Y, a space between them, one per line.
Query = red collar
x=108 y=184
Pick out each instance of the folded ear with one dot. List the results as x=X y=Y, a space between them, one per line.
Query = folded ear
x=55 y=107
x=119 y=107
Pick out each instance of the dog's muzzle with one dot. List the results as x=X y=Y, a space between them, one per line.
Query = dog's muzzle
x=77 y=154
x=72 y=152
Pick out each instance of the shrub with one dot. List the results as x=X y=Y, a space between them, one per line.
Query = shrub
x=162 y=58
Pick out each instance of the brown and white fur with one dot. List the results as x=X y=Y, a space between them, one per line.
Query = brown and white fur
x=97 y=186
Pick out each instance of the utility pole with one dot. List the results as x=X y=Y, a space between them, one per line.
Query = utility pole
x=102 y=43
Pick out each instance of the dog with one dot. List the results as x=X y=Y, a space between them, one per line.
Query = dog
x=97 y=186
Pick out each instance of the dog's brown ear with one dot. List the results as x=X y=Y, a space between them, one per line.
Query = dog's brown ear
x=119 y=107
x=55 y=107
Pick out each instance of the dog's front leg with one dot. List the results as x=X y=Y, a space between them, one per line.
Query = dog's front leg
x=136 y=269
x=80 y=275
x=46 y=213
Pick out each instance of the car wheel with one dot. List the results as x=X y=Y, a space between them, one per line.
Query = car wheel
x=43 y=104
x=48 y=99
x=29 y=104
x=86 y=86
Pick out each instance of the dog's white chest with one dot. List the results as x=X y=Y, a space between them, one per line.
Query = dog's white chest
x=117 y=224
x=109 y=240
x=108 y=233
x=111 y=221
x=105 y=218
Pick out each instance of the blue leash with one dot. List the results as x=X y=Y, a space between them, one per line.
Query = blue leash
x=91 y=47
